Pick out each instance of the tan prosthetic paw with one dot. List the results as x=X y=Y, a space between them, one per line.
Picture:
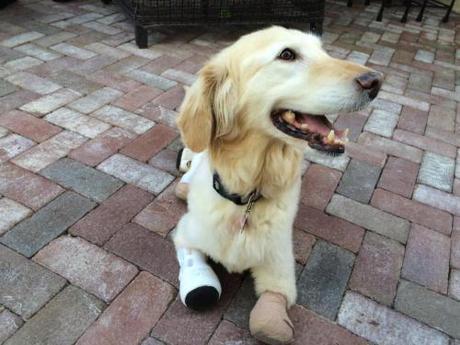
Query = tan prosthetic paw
x=181 y=190
x=269 y=321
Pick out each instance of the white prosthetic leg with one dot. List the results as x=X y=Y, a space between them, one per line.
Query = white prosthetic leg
x=199 y=287
x=188 y=162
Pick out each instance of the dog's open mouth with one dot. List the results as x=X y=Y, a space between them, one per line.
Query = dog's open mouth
x=315 y=129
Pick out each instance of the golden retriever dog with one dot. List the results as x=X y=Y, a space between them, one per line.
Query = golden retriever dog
x=252 y=112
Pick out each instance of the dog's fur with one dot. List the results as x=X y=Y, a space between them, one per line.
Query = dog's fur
x=226 y=113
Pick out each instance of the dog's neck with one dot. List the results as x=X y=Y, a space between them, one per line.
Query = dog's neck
x=256 y=161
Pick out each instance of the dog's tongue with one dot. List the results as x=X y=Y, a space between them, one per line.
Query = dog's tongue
x=316 y=123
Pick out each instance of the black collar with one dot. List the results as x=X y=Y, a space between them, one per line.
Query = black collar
x=235 y=198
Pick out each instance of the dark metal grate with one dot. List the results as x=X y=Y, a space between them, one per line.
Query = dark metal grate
x=195 y=12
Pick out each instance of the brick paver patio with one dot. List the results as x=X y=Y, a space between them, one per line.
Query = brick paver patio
x=87 y=155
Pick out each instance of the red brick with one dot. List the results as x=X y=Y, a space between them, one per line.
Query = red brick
x=17 y=99
x=159 y=114
x=189 y=66
x=414 y=211
x=181 y=326
x=171 y=99
x=318 y=186
x=161 y=64
x=147 y=250
x=303 y=243
x=104 y=279
x=138 y=97
x=28 y=125
x=413 y=120
x=227 y=333
x=165 y=160
x=445 y=136
x=115 y=212
x=25 y=187
x=114 y=80
x=150 y=143
x=330 y=228
x=427 y=258
x=365 y=154
x=399 y=176
x=442 y=118
x=163 y=213
x=132 y=314
x=455 y=253
x=311 y=329
x=377 y=267
x=102 y=147
x=425 y=143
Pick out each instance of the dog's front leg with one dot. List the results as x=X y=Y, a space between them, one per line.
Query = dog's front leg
x=275 y=283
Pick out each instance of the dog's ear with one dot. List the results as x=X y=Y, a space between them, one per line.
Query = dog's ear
x=207 y=110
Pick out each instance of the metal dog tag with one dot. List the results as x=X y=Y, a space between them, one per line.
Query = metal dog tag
x=247 y=212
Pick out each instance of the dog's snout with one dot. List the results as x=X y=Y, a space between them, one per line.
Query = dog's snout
x=371 y=82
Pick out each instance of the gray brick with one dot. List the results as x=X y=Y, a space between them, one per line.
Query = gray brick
x=124 y=119
x=33 y=83
x=60 y=322
x=434 y=197
x=324 y=279
x=50 y=102
x=37 y=52
x=24 y=285
x=382 y=325
x=20 y=39
x=6 y=88
x=359 y=180
x=339 y=163
x=9 y=323
x=424 y=56
x=49 y=222
x=382 y=122
x=151 y=79
x=145 y=53
x=95 y=100
x=132 y=171
x=90 y=182
x=429 y=307
x=369 y=218
x=437 y=171
x=23 y=63
x=242 y=304
x=75 y=82
x=390 y=147
x=73 y=51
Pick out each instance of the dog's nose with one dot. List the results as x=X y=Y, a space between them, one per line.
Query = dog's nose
x=371 y=82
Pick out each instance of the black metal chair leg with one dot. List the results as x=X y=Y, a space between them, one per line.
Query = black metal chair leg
x=106 y=2
x=380 y=14
x=350 y=3
x=449 y=9
x=316 y=28
x=141 y=36
x=422 y=11
x=406 y=12
x=367 y=2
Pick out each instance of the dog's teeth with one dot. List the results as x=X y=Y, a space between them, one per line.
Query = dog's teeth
x=303 y=126
x=289 y=116
x=331 y=137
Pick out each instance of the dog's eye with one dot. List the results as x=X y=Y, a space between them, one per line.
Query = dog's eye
x=287 y=55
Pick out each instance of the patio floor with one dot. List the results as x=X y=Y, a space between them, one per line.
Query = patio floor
x=87 y=155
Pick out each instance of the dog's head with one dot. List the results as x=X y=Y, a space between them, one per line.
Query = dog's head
x=279 y=82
